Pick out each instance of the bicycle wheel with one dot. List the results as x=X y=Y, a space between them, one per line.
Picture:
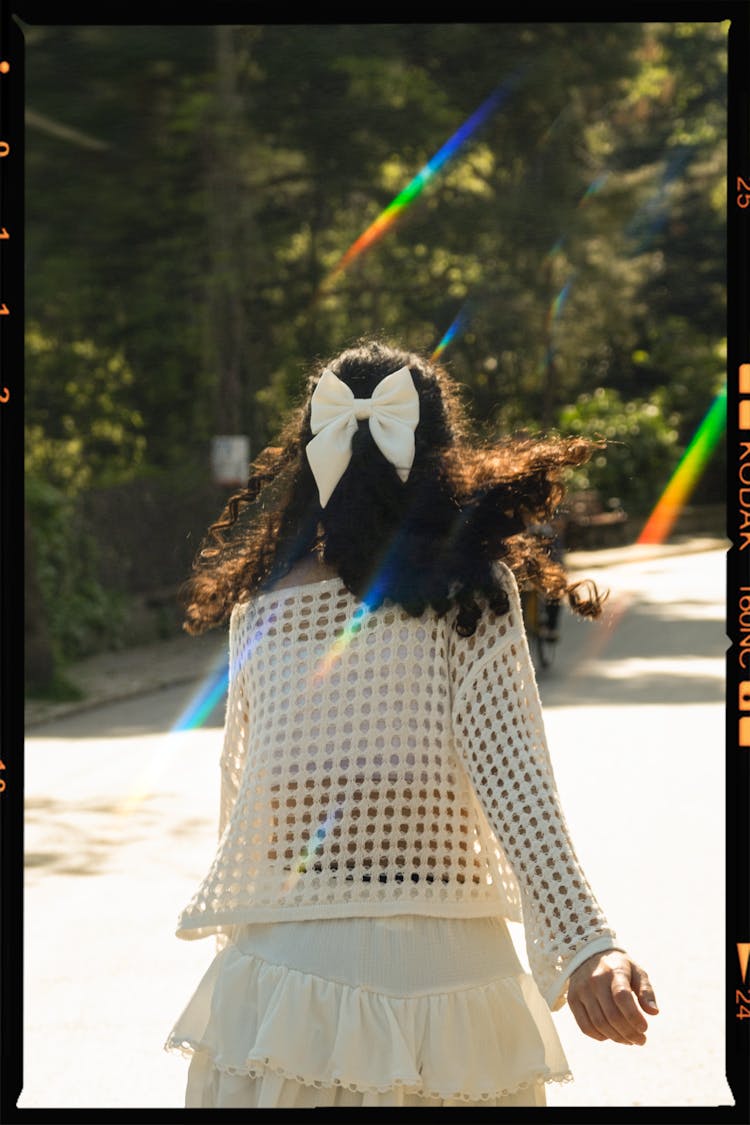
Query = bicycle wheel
x=545 y=637
x=546 y=649
x=532 y=609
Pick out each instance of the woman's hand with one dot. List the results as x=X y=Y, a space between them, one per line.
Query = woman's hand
x=602 y=995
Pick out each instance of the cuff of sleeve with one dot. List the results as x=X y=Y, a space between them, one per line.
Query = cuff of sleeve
x=558 y=994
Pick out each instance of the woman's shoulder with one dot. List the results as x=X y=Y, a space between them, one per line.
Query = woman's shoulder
x=308 y=572
x=303 y=575
x=506 y=577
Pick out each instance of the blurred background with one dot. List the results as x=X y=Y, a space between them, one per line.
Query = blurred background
x=211 y=209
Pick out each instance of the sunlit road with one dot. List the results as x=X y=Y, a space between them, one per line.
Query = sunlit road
x=121 y=822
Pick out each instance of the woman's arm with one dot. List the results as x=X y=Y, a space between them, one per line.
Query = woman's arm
x=499 y=732
x=236 y=721
x=602 y=994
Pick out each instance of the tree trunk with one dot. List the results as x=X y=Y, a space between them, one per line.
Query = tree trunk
x=38 y=656
x=232 y=250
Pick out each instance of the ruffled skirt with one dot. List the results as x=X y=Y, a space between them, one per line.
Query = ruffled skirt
x=411 y=1011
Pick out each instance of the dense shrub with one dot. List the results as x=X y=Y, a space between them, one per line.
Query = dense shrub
x=82 y=617
x=641 y=450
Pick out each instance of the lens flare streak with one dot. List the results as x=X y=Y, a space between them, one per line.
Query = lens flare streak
x=353 y=626
x=456 y=327
x=649 y=219
x=666 y=511
x=194 y=716
x=425 y=176
x=687 y=473
x=299 y=867
x=208 y=695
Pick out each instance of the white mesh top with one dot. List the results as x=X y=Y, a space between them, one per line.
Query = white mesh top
x=379 y=764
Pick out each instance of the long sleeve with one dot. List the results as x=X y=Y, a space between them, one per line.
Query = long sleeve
x=236 y=724
x=500 y=737
x=236 y=735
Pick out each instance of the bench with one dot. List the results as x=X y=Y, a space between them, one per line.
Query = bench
x=590 y=524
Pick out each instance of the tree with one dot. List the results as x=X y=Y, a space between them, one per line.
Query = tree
x=39 y=657
x=580 y=225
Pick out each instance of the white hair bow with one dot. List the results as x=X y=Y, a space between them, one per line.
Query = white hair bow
x=393 y=413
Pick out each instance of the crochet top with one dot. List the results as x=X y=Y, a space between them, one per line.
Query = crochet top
x=378 y=764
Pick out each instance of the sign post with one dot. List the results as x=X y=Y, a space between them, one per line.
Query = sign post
x=230 y=458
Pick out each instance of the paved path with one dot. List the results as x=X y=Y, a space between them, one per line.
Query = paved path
x=635 y=718
x=121 y=821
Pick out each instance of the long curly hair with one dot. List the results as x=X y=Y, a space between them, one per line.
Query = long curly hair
x=428 y=542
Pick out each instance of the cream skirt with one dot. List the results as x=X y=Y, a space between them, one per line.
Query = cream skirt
x=405 y=1011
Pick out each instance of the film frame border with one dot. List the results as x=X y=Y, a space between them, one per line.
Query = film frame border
x=12 y=82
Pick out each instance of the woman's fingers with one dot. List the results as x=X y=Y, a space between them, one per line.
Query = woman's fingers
x=641 y=985
x=603 y=995
x=625 y=1016
x=596 y=1021
x=583 y=1021
x=609 y=1021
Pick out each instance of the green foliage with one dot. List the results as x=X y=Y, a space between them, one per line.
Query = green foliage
x=641 y=450
x=259 y=157
x=59 y=690
x=82 y=617
x=210 y=180
x=80 y=427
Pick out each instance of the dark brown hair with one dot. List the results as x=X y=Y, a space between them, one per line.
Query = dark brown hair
x=429 y=541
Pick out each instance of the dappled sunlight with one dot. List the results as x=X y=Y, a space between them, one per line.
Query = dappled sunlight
x=556 y=194
x=91 y=804
x=85 y=838
x=661 y=639
x=686 y=667
x=696 y=610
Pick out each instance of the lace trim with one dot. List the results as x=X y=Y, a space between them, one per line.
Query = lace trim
x=255 y=1068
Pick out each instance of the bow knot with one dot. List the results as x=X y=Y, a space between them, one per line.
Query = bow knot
x=393 y=414
x=362 y=408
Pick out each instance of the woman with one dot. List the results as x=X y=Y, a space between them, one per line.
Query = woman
x=387 y=796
